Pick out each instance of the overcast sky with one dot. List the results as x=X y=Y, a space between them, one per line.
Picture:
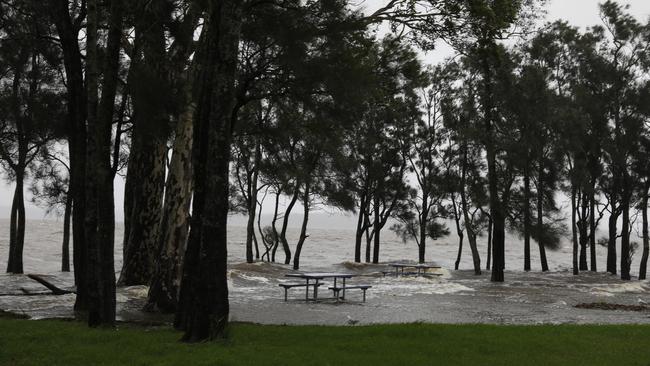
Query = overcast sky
x=582 y=13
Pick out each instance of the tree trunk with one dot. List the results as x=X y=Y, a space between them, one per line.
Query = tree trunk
x=424 y=219
x=267 y=246
x=369 y=236
x=540 y=218
x=625 y=237
x=303 y=229
x=276 y=235
x=423 y=239
x=574 y=234
x=498 y=220
x=527 y=222
x=459 y=232
x=172 y=241
x=460 y=250
x=643 y=265
x=148 y=153
x=252 y=207
x=76 y=134
x=498 y=237
x=65 y=246
x=498 y=250
x=146 y=179
x=592 y=228
x=360 y=229
x=17 y=225
x=203 y=308
x=582 y=228
x=489 y=244
x=100 y=215
x=376 y=230
x=285 y=225
x=611 y=243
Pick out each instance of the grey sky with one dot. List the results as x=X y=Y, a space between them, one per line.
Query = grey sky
x=582 y=13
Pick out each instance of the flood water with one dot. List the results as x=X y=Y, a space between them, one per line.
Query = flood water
x=455 y=297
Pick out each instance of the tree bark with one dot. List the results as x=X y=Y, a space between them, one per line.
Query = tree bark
x=68 y=33
x=643 y=264
x=303 y=229
x=146 y=170
x=460 y=250
x=165 y=285
x=100 y=215
x=204 y=309
x=361 y=225
x=592 y=228
x=369 y=235
x=65 y=246
x=17 y=225
x=276 y=235
x=489 y=244
x=574 y=234
x=496 y=211
x=252 y=207
x=376 y=231
x=540 y=218
x=459 y=232
x=424 y=218
x=625 y=236
x=17 y=221
x=285 y=225
x=527 y=222
x=611 y=243
x=582 y=229
x=471 y=235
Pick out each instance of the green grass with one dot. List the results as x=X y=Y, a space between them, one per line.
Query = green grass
x=51 y=342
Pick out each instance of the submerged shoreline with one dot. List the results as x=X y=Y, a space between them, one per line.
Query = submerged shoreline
x=457 y=297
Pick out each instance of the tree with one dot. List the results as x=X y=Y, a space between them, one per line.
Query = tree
x=150 y=87
x=464 y=169
x=174 y=226
x=622 y=48
x=30 y=107
x=100 y=219
x=203 y=304
x=490 y=21
x=51 y=190
x=423 y=154
x=69 y=19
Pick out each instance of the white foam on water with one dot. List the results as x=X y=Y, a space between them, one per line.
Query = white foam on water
x=252 y=278
x=627 y=287
x=404 y=286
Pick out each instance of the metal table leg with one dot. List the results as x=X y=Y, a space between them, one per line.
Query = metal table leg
x=307 y=291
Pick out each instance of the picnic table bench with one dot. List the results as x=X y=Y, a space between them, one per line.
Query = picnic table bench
x=363 y=288
x=338 y=290
x=287 y=286
x=420 y=269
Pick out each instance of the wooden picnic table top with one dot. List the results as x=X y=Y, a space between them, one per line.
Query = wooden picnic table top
x=413 y=265
x=320 y=275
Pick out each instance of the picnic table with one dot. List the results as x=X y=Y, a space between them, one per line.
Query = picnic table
x=317 y=277
x=420 y=267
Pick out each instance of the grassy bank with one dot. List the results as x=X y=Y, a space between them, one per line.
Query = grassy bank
x=24 y=342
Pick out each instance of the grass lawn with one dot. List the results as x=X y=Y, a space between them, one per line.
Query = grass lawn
x=52 y=342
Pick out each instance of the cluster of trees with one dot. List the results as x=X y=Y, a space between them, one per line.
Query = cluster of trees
x=210 y=107
x=489 y=139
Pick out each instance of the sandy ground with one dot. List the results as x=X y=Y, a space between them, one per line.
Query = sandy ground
x=455 y=297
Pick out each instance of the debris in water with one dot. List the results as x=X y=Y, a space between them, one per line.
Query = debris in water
x=610 y=306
